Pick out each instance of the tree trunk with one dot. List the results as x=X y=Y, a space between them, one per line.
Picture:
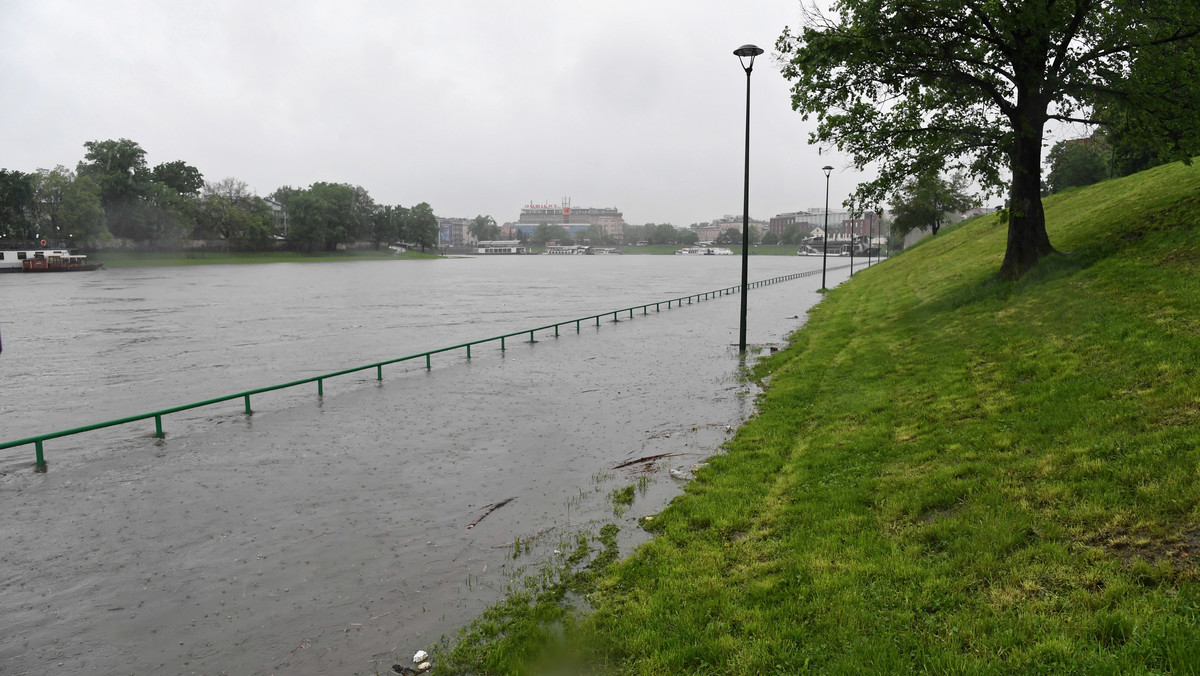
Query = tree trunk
x=1027 y=239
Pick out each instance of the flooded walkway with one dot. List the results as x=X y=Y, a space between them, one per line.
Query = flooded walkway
x=329 y=535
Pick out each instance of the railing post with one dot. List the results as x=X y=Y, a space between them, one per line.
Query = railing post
x=320 y=387
x=248 y=411
x=556 y=330
x=158 y=426
x=531 y=337
x=427 y=363
x=468 y=350
x=576 y=326
x=379 y=372
x=40 y=460
x=597 y=320
x=501 y=343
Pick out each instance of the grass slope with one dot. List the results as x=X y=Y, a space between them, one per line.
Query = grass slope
x=948 y=475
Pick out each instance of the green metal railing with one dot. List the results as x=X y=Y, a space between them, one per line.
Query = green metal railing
x=378 y=366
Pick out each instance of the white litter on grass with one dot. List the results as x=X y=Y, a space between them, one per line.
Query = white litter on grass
x=421 y=656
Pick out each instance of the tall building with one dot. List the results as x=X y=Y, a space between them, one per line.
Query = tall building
x=454 y=232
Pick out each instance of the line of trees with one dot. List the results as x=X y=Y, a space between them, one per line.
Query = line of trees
x=660 y=233
x=114 y=193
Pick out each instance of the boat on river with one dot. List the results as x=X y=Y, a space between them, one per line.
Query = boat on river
x=704 y=251
x=42 y=257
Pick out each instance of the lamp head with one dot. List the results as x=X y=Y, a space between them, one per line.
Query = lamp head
x=826 y=169
x=750 y=51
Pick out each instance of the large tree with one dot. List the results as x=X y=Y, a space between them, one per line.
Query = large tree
x=326 y=215
x=926 y=200
x=69 y=206
x=119 y=168
x=228 y=211
x=421 y=226
x=1076 y=163
x=970 y=85
x=484 y=228
x=386 y=225
x=16 y=204
x=179 y=176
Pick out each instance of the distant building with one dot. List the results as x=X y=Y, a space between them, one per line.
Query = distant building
x=454 y=232
x=576 y=220
x=280 y=213
x=805 y=220
x=710 y=231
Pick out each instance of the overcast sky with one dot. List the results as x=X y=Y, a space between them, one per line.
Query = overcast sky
x=476 y=107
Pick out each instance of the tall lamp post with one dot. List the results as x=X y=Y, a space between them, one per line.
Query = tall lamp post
x=878 y=230
x=851 y=247
x=870 y=235
x=742 y=52
x=825 y=237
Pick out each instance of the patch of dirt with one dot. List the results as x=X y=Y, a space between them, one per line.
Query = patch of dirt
x=1180 y=549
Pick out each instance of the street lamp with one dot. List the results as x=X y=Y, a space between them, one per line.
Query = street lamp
x=742 y=52
x=851 y=247
x=825 y=237
x=878 y=230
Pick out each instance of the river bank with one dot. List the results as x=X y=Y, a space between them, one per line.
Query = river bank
x=945 y=475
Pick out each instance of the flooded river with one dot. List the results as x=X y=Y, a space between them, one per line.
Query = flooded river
x=329 y=534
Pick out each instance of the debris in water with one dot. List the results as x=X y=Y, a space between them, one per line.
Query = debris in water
x=648 y=458
x=490 y=508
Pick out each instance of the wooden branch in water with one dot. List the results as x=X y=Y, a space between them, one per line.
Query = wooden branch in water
x=490 y=508
x=648 y=458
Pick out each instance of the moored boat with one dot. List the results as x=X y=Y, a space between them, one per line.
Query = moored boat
x=40 y=256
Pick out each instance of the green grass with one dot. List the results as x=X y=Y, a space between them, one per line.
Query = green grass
x=113 y=259
x=947 y=474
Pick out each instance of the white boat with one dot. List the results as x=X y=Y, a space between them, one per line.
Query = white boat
x=704 y=251
x=576 y=250
x=40 y=256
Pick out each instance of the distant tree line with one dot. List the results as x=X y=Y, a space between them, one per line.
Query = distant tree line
x=660 y=233
x=113 y=193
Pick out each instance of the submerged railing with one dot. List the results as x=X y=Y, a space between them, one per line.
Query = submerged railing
x=378 y=366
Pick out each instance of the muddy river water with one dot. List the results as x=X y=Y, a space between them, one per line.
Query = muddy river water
x=329 y=534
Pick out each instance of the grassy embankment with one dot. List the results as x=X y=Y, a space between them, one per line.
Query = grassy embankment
x=114 y=259
x=946 y=475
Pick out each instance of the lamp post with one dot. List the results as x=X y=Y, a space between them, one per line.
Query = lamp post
x=851 y=247
x=742 y=52
x=870 y=235
x=878 y=230
x=825 y=236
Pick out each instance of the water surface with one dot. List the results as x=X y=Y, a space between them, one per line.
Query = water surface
x=329 y=534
